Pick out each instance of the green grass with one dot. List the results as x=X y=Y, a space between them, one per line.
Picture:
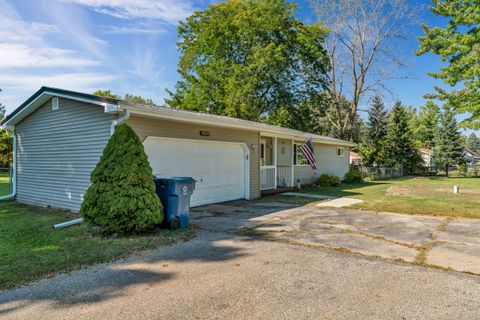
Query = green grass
x=429 y=196
x=31 y=249
x=4 y=183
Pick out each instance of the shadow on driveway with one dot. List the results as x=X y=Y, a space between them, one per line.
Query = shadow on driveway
x=103 y=282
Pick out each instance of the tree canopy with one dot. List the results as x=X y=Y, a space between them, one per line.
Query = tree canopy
x=363 y=50
x=127 y=97
x=247 y=58
x=6 y=144
x=457 y=44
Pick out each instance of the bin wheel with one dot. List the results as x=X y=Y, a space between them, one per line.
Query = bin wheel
x=174 y=224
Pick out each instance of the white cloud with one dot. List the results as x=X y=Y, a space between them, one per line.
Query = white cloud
x=170 y=11
x=18 y=87
x=135 y=29
x=35 y=54
x=86 y=82
x=15 y=55
x=22 y=44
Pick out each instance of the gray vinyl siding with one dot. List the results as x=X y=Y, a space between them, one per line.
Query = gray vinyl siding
x=327 y=162
x=57 y=151
x=284 y=152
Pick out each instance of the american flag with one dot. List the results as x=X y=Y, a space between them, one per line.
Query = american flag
x=307 y=150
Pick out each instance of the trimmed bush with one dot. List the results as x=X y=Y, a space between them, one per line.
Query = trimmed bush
x=353 y=176
x=122 y=196
x=326 y=180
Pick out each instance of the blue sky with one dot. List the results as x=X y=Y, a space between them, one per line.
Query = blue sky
x=129 y=46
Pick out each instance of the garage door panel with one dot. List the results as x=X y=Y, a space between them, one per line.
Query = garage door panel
x=219 y=168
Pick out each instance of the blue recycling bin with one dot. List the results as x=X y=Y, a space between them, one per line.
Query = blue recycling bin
x=175 y=193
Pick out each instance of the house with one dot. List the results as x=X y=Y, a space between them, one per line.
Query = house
x=471 y=157
x=59 y=136
x=427 y=156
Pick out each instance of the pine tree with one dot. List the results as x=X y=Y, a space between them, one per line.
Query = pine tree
x=376 y=131
x=122 y=196
x=428 y=118
x=473 y=143
x=399 y=149
x=448 y=146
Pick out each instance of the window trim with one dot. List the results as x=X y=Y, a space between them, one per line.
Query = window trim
x=295 y=155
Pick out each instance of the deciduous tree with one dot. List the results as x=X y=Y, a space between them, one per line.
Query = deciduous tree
x=363 y=49
x=6 y=145
x=127 y=97
x=247 y=58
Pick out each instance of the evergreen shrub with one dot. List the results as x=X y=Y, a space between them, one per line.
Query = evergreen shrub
x=122 y=198
x=327 y=180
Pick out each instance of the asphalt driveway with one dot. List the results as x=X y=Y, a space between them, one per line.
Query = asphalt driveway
x=233 y=272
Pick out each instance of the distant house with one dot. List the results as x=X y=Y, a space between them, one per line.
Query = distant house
x=355 y=158
x=471 y=157
x=427 y=156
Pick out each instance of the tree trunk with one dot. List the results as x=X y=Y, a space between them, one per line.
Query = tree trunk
x=446 y=170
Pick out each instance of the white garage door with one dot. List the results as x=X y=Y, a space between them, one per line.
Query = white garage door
x=219 y=168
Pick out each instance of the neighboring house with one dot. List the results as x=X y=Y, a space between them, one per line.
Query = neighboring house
x=471 y=157
x=60 y=136
x=355 y=158
x=427 y=156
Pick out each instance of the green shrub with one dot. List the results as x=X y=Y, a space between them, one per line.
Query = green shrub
x=122 y=196
x=353 y=176
x=326 y=180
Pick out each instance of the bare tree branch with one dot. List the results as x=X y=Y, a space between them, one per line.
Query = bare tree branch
x=362 y=48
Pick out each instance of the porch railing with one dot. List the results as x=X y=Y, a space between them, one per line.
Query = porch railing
x=284 y=176
x=267 y=177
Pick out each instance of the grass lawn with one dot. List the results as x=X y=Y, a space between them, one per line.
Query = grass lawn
x=411 y=195
x=30 y=248
x=4 y=183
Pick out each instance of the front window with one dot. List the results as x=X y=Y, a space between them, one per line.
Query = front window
x=299 y=158
x=340 y=152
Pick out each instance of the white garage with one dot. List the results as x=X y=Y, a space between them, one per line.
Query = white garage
x=221 y=169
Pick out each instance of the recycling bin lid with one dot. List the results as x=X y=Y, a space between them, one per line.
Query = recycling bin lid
x=182 y=179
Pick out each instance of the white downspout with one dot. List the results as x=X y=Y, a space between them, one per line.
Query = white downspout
x=119 y=121
x=114 y=124
x=14 y=168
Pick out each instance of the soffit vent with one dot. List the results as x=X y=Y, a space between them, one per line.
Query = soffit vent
x=55 y=103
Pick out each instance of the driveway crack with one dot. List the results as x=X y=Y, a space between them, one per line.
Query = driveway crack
x=423 y=250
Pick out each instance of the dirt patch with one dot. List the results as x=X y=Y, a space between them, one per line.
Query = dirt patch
x=469 y=194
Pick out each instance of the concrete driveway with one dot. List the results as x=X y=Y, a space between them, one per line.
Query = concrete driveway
x=431 y=241
x=231 y=272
